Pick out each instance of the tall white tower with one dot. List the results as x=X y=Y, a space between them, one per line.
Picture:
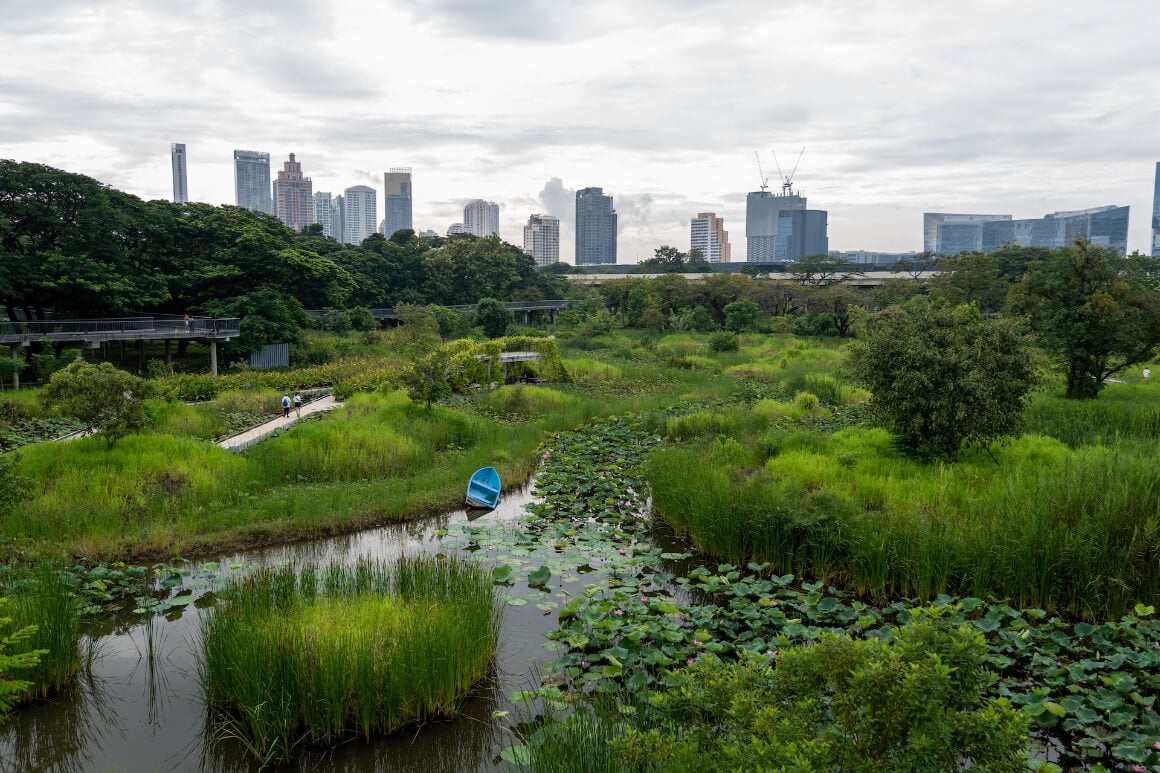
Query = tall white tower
x=481 y=217
x=180 y=178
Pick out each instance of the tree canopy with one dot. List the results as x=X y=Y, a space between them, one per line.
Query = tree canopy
x=942 y=376
x=1096 y=312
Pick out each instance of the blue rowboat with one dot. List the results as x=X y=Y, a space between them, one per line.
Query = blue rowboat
x=483 y=488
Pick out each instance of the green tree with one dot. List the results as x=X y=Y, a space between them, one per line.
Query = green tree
x=740 y=315
x=916 y=265
x=970 y=277
x=824 y=270
x=426 y=379
x=943 y=376
x=107 y=400
x=1096 y=312
x=493 y=317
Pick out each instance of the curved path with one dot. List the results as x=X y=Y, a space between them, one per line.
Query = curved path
x=244 y=440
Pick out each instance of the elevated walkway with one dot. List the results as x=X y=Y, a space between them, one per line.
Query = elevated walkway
x=92 y=333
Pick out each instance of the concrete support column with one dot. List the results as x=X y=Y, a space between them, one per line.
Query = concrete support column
x=141 y=356
x=168 y=355
x=525 y=319
x=213 y=357
x=17 y=360
x=553 y=314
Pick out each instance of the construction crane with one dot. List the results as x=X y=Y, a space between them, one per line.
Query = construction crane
x=760 y=172
x=787 y=180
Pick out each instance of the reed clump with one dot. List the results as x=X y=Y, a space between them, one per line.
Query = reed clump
x=327 y=653
x=1048 y=526
x=43 y=597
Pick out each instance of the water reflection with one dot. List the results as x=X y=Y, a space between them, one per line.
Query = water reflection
x=142 y=708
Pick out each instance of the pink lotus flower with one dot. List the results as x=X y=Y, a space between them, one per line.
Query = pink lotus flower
x=644 y=599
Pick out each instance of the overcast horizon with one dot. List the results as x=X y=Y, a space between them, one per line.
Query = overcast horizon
x=903 y=107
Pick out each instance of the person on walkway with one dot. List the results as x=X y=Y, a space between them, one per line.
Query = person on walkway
x=285 y=406
x=186 y=323
x=298 y=404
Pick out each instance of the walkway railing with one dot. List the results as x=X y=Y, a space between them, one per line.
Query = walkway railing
x=123 y=328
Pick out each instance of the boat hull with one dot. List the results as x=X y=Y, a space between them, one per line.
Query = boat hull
x=483 y=489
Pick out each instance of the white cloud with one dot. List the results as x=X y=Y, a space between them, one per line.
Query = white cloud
x=984 y=105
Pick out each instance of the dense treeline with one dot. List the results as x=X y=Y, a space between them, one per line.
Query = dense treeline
x=74 y=247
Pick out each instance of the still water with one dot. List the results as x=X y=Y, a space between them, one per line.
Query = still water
x=141 y=708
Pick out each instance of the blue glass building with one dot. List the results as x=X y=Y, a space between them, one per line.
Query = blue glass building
x=949 y=234
x=1156 y=215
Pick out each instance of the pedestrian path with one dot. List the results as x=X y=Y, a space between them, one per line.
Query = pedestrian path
x=244 y=440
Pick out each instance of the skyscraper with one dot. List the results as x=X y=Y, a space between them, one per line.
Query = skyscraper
x=396 y=200
x=780 y=228
x=338 y=218
x=293 y=199
x=481 y=217
x=362 y=212
x=707 y=233
x=542 y=239
x=180 y=179
x=322 y=213
x=595 y=228
x=252 y=180
x=1156 y=215
x=951 y=234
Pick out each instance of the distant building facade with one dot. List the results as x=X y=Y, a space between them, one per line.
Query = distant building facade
x=396 y=200
x=361 y=213
x=707 y=233
x=780 y=229
x=457 y=228
x=950 y=234
x=595 y=228
x=180 y=172
x=252 y=181
x=481 y=218
x=338 y=218
x=542 y=239
x=872 y=260
x=1156 y=215
x=322 y=212
x=293 y=196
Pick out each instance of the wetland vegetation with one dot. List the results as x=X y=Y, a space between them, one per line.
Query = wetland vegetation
x=733 y=552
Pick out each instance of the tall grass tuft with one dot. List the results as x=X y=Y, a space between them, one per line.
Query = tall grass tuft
x=332 y=652
x=1047 y=527
x=44 y=598
x=1121 y=411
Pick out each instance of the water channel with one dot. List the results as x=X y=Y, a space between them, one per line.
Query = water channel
x=141 y=707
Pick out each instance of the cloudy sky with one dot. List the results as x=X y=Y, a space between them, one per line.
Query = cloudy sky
x=903 y=106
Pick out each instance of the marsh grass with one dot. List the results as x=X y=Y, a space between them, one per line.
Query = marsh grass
x=42 y=597
x=324 y=654
x=257 y=401
x=1121 y=411
x=1047 y=527
x=198 y=421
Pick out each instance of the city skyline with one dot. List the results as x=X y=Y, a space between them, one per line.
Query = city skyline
x=903 y=108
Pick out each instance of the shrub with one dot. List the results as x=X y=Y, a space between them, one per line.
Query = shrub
x=723 y=342
x=915 y=703
x=943 y=376
x=106 y=399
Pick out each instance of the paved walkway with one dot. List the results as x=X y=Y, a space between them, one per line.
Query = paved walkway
x=244 y=440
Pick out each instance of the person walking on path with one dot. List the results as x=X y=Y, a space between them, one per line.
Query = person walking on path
x=298 y=404
x=186 y=323
x=285 y=406
x=1147 y=373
